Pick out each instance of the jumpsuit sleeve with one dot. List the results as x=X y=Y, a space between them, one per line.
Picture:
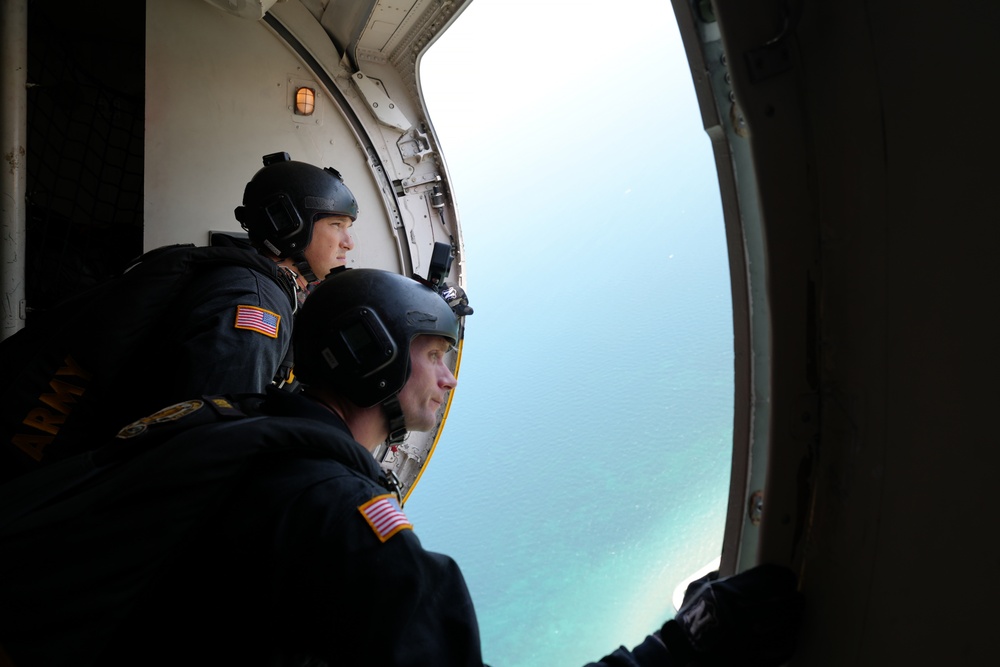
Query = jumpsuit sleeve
x=233 y=336
x=650 y=653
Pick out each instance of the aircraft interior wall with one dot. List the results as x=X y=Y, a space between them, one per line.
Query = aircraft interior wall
x=870 y=130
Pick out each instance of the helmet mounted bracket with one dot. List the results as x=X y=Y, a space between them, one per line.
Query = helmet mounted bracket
x=360 y=343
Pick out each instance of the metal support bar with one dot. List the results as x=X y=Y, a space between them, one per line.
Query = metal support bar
x=13 y=174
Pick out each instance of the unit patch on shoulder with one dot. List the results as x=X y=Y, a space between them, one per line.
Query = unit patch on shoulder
x=384 y=516
x=257 y=319
x=168 y=414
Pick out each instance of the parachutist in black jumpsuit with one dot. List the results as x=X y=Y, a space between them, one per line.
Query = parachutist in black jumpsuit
x=295 y=569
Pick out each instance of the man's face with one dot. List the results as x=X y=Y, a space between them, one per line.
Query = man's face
x=331 y=240
x=430 y=381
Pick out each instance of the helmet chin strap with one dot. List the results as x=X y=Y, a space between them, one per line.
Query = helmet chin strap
x=394 y=415
x=302 y=266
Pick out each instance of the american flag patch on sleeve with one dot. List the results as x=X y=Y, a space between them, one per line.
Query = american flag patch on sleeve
x=258 y=319
x=384 y=516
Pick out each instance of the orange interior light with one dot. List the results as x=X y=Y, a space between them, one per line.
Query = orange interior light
x=305 y=101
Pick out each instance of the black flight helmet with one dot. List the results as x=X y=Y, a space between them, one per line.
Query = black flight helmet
x=283 y=200
x=353 y=334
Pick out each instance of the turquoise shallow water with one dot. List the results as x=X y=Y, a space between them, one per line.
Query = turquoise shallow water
x=584 y=467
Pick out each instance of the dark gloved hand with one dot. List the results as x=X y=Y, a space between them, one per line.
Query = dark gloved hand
x=750 y=619
x=456 y=298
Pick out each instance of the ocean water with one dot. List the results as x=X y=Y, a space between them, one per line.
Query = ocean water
x=584 y=467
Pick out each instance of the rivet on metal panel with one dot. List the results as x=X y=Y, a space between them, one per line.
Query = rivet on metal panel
x=739 y=122
x=755 y=509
